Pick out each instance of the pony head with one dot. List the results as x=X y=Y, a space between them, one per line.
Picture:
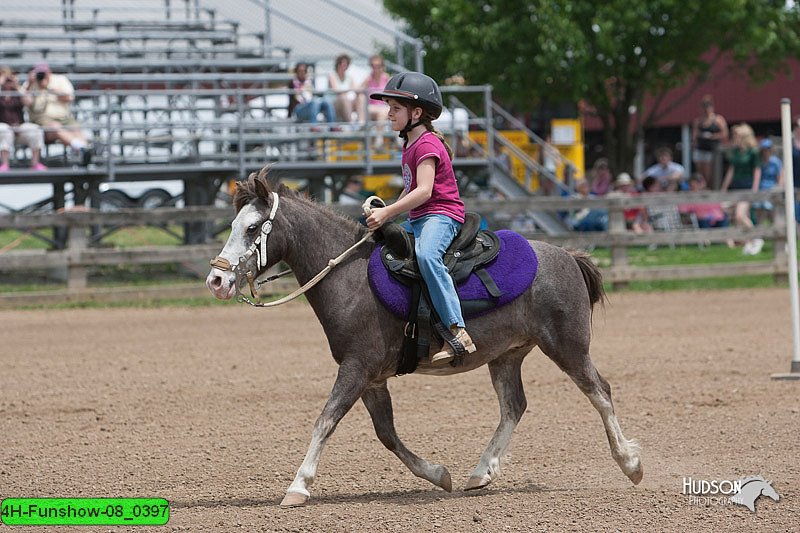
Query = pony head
x=258 y=236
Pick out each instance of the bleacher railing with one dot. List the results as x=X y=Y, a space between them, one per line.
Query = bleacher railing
x=237 y=124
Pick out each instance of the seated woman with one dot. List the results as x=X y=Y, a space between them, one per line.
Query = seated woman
x=12 y=122
x=342 y=84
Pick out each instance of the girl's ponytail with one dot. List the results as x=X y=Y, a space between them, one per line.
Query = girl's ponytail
x=438 y=134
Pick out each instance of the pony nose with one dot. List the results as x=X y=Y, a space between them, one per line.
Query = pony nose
x=214 y=282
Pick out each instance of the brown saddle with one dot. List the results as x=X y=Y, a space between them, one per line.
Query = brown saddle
x=471 y=249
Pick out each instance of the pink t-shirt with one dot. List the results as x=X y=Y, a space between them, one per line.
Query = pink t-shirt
x=444 y=199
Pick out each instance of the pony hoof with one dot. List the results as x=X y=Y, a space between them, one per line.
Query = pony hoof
x=446 y=481
x=637 y=475
x=478 y=482
x=294 y=499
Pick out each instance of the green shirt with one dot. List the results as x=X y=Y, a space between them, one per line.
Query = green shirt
x=744 y=162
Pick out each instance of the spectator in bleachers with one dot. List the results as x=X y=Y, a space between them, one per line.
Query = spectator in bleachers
x=668 y=173
x=744 y=173
x=377 y=110
x=376 y=80
x=12 y=122
x=708 y=132
x=709 y=215
x=303 y=103
x=601 y=177
x=352 y=194
x=587 y=219
x=636 y=218
x=342 y=84
x=771 y=178
x=53 y=95
x=651 y=185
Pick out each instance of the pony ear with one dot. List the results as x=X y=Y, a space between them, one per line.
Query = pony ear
x=262 y=190
x=263 y=173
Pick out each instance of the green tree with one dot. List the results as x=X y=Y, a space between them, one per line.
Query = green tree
x=608 y=54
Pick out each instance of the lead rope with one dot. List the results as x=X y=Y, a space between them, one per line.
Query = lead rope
x=367 y=209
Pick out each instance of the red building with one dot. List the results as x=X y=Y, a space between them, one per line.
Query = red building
x=736 y=98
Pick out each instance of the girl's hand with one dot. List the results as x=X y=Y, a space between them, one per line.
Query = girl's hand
x=378 y=218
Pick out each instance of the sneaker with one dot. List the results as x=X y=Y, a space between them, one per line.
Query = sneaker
x=38 y=166
x=447 y=354
x=758 y=244
x=4 y=167
x=748 y=248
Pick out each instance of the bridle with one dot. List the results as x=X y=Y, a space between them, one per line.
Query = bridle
x=255 y=258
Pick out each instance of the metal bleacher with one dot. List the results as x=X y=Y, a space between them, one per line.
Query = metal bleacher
x=160 y=88
x=168 y=91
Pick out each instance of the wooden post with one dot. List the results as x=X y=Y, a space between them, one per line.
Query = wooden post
x=76 y=273
x=619 y=253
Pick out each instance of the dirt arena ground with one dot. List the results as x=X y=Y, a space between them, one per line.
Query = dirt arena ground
x=212 y=408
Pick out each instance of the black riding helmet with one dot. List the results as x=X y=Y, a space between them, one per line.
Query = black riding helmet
x=414 y=87
x=417 y=89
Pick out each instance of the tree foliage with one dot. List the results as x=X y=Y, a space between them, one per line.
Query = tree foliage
x=608 y=54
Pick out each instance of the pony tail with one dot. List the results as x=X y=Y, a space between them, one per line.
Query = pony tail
x=438 y=134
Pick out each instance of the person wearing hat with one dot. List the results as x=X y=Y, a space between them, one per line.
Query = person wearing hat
x=636 y=218
x=771 y=177
x=430 y=196
x=53 y=95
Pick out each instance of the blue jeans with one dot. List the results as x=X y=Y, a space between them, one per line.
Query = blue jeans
x=308 y=111
x=432 y=235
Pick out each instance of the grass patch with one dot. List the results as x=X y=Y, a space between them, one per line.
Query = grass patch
x=683 y=255
x=691 y=255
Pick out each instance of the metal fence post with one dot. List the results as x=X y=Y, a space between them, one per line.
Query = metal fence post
x=240 y=131
x=110 y=140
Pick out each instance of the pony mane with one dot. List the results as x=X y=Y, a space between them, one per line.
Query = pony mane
x=257 y=186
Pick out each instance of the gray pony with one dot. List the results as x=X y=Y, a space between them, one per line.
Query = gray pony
x=554 y=314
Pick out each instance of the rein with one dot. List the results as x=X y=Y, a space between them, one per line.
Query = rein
x=255 y=258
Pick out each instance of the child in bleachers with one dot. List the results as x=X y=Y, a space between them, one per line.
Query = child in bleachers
x=709 y=215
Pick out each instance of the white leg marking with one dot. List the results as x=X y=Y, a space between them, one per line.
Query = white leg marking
x=625 y=452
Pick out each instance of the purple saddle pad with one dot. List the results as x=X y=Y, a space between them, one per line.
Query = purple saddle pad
x=513 y=270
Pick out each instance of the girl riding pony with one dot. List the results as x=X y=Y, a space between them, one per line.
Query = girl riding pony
x=430 y=194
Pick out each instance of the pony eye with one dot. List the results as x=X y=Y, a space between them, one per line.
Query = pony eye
x=252 y=228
